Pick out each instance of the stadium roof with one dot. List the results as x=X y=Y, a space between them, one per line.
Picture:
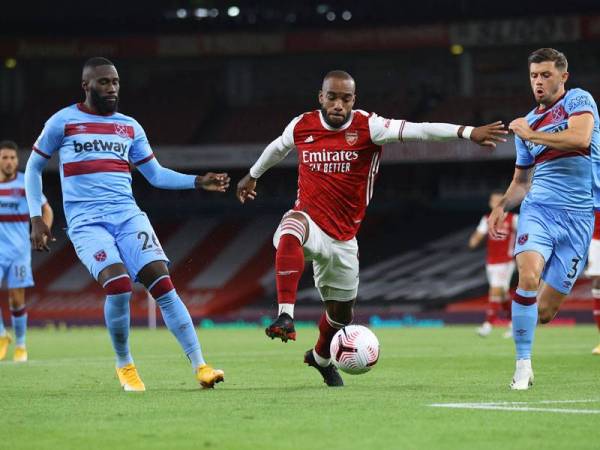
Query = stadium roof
x=174 y=16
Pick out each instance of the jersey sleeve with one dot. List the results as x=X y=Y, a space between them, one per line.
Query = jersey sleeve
x=276 y=151
x=384 y=131
x=525 y=159
x=51 y=137
x=482 y=228
x=579 y=102
x=140 y=151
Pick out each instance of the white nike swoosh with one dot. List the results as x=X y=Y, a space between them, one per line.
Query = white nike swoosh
x=286 y=272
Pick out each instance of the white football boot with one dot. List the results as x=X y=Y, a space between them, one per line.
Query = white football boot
x=485 y=329
x=523 y=377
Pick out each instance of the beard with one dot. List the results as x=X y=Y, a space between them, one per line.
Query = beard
x=328 y=122
x=7 y=174
x=102 y=105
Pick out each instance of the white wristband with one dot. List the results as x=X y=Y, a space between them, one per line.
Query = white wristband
x=466 y=134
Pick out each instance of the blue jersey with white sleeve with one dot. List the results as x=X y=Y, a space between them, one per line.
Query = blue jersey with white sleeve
x=95 y=153
x=562 y=179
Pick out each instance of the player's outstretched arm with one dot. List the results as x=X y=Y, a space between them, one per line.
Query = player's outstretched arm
x=513 y=197
x=275 y=152
x=577 y=136
x=384 y=131
x=40 y=231
x=163 y=178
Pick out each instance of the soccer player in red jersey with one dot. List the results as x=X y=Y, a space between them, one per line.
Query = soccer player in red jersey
x=593 y=271
x=339 y=150
x=500 y=264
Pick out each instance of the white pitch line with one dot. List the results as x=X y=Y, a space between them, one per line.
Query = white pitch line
x=520 y=406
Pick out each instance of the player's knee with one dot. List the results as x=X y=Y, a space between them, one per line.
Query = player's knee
x=546 y=314
x=160 y=287
x=293 y=224
x=118 y=285
x=529 y=279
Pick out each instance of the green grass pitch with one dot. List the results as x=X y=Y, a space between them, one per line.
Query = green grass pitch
x=67 y=396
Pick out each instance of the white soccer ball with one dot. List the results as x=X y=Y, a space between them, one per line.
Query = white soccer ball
x=354 y=349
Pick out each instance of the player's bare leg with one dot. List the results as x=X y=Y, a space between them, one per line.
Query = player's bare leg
x=525 y=315
x=596 y=311
x=337 y=315
x=289 y=265
x=18 y=313
x=155 y=276
x=116 y=283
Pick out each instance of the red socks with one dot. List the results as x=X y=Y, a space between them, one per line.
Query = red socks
x=327 y=329
x=289 y=265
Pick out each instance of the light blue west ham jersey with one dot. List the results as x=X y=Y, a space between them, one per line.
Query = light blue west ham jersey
x=14 y=219
x=562 y=179
x=94 y=152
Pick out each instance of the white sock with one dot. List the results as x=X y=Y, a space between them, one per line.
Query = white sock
x=287 y=308
x=323 y=362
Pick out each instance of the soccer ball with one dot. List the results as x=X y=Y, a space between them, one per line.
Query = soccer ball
x=354 y=349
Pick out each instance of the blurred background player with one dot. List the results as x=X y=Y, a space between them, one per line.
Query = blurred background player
x=593 y=268
x=499 y=266
x=113 y=238
x=339 y=150
x=15 y=248
x=556 y=221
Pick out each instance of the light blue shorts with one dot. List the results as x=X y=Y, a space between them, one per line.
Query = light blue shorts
x=17 y=272
x=117 y=238
x=561 y=236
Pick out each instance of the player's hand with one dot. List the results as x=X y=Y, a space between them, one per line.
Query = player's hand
x=495 y=222
x=40 y=235
x=489 y=135
x=521 y=128
x=216 y=182
x=246 y=189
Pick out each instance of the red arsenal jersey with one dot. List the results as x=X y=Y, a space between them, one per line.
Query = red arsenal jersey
x=337 y=169
x=501 y=250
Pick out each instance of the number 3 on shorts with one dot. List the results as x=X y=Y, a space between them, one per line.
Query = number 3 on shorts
x=573 y=271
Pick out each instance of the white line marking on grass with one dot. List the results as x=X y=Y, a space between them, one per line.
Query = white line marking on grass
x=522 y=406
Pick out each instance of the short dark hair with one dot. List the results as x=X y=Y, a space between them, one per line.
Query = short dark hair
x=549 y=54
x=11 y=145
x=97 y=61
x=340 y=74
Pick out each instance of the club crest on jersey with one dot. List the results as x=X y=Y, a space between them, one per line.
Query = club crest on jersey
x=100 y=256
x=121 y=130
x=523 y=238
x=351 y=137
x=558 y=114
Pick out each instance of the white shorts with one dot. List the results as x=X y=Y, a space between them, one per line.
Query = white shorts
x=335 y=263
x=499 y=275
x=593 y=267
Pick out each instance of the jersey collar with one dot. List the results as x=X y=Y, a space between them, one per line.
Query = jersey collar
x=343 y=127
x=539 y=110
x=10 y=179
